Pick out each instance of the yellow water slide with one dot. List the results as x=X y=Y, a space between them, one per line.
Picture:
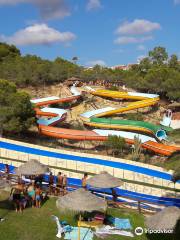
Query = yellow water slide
x=144 y=100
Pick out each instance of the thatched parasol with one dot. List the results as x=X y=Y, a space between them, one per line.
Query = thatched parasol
x=104 y=180
x=4 y=184
x=73 y=79
x=174 y=105
x=165 y=219
x=81 y=201
x=32 y=167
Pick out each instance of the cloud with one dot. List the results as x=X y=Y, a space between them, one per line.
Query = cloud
x=141 y=47
x=48 y=9
x=93 y=4
x=128 y=40
x=38 y=34
x=137 y=27
x=96 y=62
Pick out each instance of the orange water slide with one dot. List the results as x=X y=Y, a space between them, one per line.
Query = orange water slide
x=160 y=148
x=82 y=135
x=70 y=134
x=45 y=114
x=60 y=100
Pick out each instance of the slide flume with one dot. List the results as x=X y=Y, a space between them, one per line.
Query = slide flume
x=144 y=100
x=56 y=115
x=129 y=125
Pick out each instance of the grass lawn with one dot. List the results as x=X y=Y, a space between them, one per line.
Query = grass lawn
x=36 y=224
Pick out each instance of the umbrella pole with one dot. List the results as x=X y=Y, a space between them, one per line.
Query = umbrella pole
x=79 y=230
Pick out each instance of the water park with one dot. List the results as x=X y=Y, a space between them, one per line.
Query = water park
x=145 y=188
x=89 y=120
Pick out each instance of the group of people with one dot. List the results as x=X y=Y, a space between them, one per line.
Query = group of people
x=23 y=195
x=61 y=184
x=32 y=193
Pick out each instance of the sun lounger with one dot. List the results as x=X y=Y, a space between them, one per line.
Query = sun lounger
x=62 y=228
x=59 y=227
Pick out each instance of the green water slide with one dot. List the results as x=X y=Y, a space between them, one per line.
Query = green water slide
x=158 y=130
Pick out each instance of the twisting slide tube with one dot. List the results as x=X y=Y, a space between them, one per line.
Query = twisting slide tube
x=144 y=100
x=46 y=126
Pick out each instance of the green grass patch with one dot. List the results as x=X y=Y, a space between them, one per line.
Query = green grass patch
x=37 y=223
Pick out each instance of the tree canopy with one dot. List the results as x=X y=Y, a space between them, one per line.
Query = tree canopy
x=8 y=51
x=157 y=72
x=16 y=111
x=115 y=143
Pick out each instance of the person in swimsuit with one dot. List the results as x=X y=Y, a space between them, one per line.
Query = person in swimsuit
x=59 y=185
x=31 y=194
x=16 y=193
x=84 y=181
x=38 y=196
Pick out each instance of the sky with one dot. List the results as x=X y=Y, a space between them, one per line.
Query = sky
x=105 y=32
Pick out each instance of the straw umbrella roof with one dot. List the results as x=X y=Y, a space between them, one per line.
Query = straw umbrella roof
x=174 y=105
x=165 y=219
x=32 y=167
x=81 y=201
x=73 y=79
x=4 y=184
x=104 y=180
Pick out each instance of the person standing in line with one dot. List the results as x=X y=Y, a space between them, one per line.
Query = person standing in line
x=16 y=193
x=38 y=196
x=59 y=185
x=31 y=193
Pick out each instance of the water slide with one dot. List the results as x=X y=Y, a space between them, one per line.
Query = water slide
x=46 y=125
x=55 y=114
x=144 y=100
x=129 y=125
